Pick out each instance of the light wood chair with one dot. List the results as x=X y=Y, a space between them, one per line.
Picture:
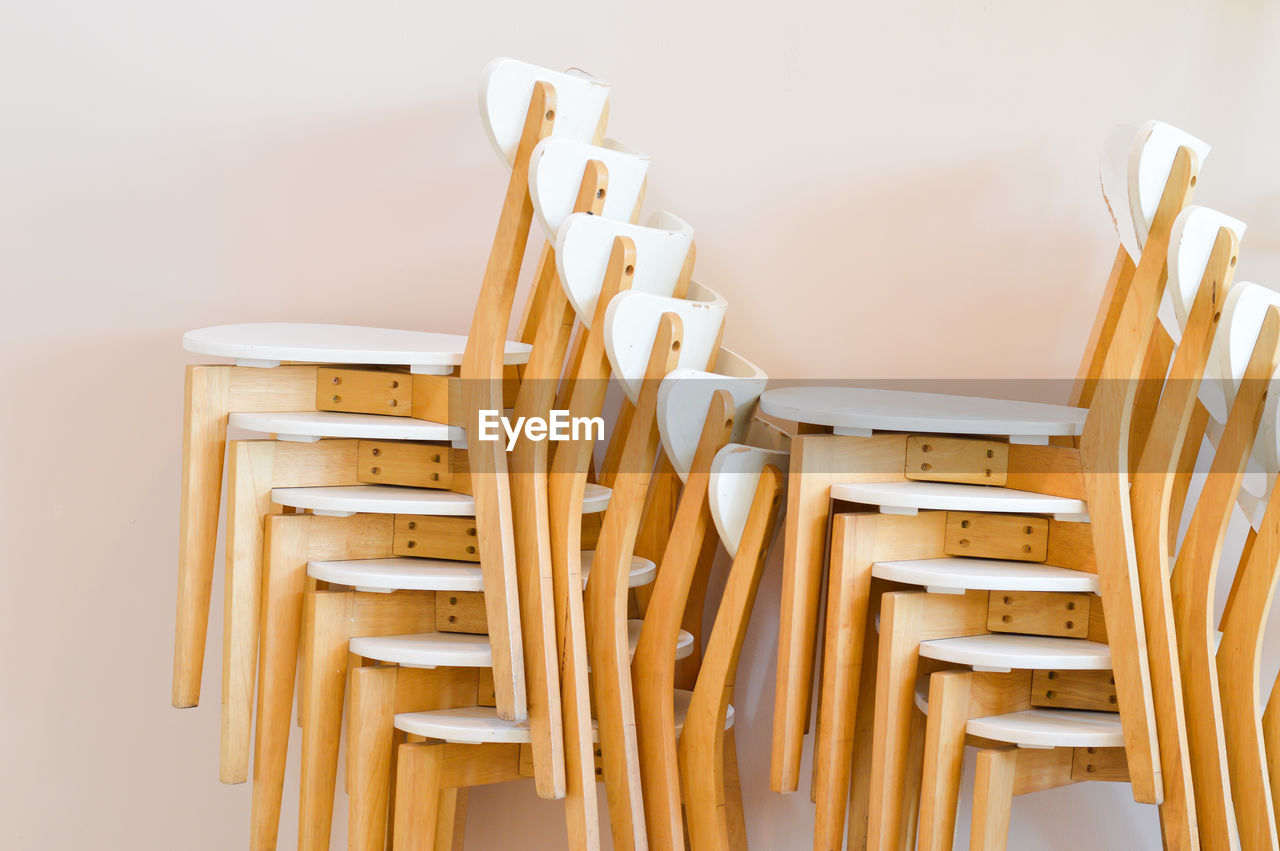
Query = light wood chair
x=661 y=253
x=520 y=104
x=1136 y=166
x=698 y=414
x=924 y=468
x=632 y=321
x=745 y=494
x=1040 y=703
x=610 y=332
x=451 y=526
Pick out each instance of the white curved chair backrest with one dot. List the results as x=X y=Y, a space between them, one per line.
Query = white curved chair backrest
x=735 y=472
x=555 y=175
x=684 y=397
x=631 y=325
x=1194 y=233
x=1135 y=167
x=585 y=242
x=506 y=86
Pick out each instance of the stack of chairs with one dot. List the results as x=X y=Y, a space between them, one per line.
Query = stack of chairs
x=1033 y=599
x=462 y=606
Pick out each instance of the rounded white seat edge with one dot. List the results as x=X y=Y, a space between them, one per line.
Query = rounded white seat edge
x=912 y=496
x=1051 y=728
x=306 y=342
x=390 y=499
x=313 y=425
x=957 y=575
x=461 y=650
x=871 y=409
x=1007 y=651
x=430 y=574
x=473 y=725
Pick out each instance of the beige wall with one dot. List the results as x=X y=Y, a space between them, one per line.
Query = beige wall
x=892 y=189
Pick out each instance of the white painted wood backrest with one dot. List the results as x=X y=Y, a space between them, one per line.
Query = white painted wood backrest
x=506 y=86
x=1135 y=167
x=1243 y=312
x=1194 y=233
x=631 y=324
x=585 y=242
x=555 y=175
x=684 y=397
x=735 y=472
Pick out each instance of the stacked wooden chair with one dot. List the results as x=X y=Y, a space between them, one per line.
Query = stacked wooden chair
x=481 y=597
x=1019 y=547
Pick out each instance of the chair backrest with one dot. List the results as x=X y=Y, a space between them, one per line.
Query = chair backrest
x=734 y=475
x=581 y=104
x=631 y=323
x=1133 y=171
x=1126 y=337
x=1136 y=167
x=1250 y=734
x=555 y=170
x=685 y=395
x=584 y=245
x=628 y=258
x=750 y=488
x=1196 y=568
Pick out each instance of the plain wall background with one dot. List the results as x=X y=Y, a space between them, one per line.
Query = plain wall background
x=881 y=190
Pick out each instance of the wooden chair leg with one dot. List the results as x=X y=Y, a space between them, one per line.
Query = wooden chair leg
x=249 y=470
x=914 y=779
x=808 y=506
x=860 y=785
x=370 y=744
x=992 y=798
x=451 y=820
x=285 y=570
x=906 y=619
x=325 y=666
x=900 y=615
x=204 y=438
x=943 y=754
x=418 y=775
x=848 y=593
x=735 y=813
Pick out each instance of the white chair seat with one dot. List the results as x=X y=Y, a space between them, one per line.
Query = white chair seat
x=1006 y=651
x=267 y=343
x=427 y=650
x=461 y=650
x=956 y=575
x=431 y=574
x=1040 y=728
x=313 y=425
x=860 y=409
x=912 y=496
x=1051 y=728
x=388 y=499
x=474 y=725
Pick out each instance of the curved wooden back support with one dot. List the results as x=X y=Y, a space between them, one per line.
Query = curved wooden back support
x=702 y=743
x=1104 y=451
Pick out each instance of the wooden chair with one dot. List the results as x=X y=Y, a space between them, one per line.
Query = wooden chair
x=325 y=638
x=256 y=467
x=698 y=414
x=819 y=460
x=931 y=460
x=669 y=344
x=520 y=104
x=438 y=512
x=745 y=495
x=1061 y=690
